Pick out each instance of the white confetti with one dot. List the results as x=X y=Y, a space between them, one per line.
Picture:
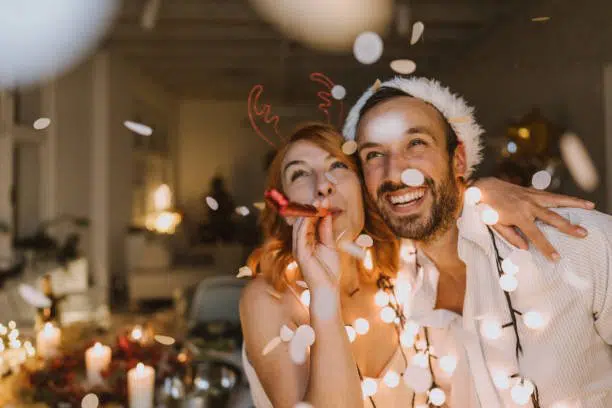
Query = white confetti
x=437 y=397
x=349 y=147
x=338 y=92
x=301 y=283
x=330 y=177
x=212 y=203
x=165 y=340
x=488 y=214
x=364 y=241
x=403 y=66
x=305 y=298
x=260 y=205
x=368 y=47
x=243 y=210
x=41 y=123
x=541 y=180
x=534 y=320
x=305 y=334
x=520 y=394
x=417 y=32
x=361 y=325
x=472 y=195
x=303 y=405
x=508 y=283
x=351 y=333
x=244 y=271
x=272 y=344
x=412 y=177
x=579 y=162
x=369 y=387
x=34 y=297
x=139 y=128
x=352 y=249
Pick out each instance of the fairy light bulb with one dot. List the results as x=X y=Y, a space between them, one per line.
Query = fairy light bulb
x=387 y=314
x=533 y=320
x=420 y=360
x=448 y=364
x=361 y=326
x=501 y=379
x=407 y=339
x=351 y=333
x=369 y=387
x=509 y=267
x=491 y=329
x=418 y=378
x=12 y=325
x=508 y=283
x=421 y=345
x=520 y=394
x=382 y=298
x=489 y=215
x=367 y=261
x=412 y=327
x=3 y=330
x=292 y=266
x=305 y=297
x=391 y=379
x=473 y=195
x=406 y=250
x=437 y=397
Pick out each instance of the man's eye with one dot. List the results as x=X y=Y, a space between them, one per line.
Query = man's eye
x=417 y=142
x=372 y=155
x=297 y=174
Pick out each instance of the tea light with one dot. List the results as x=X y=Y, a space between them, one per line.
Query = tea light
x=97 y=359
x=141 y=381
x=48 y=341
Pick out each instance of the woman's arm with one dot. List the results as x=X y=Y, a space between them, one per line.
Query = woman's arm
x=520 y=207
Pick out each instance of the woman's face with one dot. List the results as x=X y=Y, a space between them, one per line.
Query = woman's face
x=310 y=172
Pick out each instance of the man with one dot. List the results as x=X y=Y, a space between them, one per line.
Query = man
x=529 y=331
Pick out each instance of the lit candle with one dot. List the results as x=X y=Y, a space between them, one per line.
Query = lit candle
x=97 y=359
x=48 y=341
x=141 y=381
x=136 y=334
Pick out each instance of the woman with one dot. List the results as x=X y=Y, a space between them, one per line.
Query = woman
x=311 y=168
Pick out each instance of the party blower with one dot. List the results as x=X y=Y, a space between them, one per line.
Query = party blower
x=287 y=208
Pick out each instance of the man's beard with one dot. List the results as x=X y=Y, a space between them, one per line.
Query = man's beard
x=424 y=228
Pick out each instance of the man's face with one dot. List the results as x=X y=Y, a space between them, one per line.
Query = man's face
x=403 y=133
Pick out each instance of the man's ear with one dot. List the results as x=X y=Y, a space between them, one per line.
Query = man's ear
x=459 y=161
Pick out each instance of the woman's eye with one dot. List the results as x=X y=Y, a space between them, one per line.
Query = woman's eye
x=338 y=165
x=297 y=174
x=417 y=142
x=372 y=155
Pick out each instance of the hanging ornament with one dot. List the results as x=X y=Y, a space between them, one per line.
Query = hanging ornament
x=418 y=378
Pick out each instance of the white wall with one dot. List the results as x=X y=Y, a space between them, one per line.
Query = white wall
x=557 y=66
x=214 y=137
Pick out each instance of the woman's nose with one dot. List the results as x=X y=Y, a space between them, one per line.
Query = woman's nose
x=324 y=187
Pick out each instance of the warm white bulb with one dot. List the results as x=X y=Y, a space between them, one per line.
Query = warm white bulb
x=421 y=344
x=391 y=379
x=12 y=324
x=351 y=333
x=412 y=327
x=369 y=387
x=491 y=329
x=508 y=283
x=520 y=394
x=382 y=298
x=437 y=397
x=533 y=320
x=509 y=267
x=501 y=379
x=489 y=215
x=407 y=339
x=292 y=266
x=472 y=196
x=305 y=297
x=361 y=326
x=420 y=360
x=387 y=314
x=448 y=364
x=418 y=378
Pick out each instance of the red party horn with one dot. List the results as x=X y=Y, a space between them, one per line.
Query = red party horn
x=287 y=208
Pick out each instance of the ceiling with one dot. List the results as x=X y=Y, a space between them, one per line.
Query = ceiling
x=218 y=49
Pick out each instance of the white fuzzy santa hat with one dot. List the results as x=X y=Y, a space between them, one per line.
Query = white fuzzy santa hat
x=454 y=108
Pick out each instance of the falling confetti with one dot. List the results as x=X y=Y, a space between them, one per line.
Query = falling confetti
x=541 y=180
x=349 y=147
x=330 y=177
x=472 y=195
x=403 y=66
x=351 y=333
x=338 y=92
x=417 y=32
x=286 y=334
x=303 y=338
x=259 y=205
x=139 y=128
x=41 y=123
x=364 y=241
x=271 y=345
x=488 y=214
x=244 y=271
x=165 y=340
x=579 y=162
x=243 y=210
x=303 y=405
x=368 y=47
x=301 y=283
x=305 y=298
x=212 y=203
x=412 y=177
x=352 y=249
x=90 y=401
x=34 y=297
x=361 y=325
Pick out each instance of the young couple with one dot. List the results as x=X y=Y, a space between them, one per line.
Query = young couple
x=447 y=311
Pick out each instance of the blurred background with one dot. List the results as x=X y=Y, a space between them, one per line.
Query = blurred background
x=129 y=169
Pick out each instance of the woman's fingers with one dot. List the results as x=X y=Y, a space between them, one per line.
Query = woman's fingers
x=510 y=234
x=551 y=200
x=533 y=234
x=561 y=223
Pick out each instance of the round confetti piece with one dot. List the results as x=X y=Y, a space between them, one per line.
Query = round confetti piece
x=338 y=92
x=412 y=177
x=403 y=66
x=212 y=203
x=364 y=241
x=368 y=47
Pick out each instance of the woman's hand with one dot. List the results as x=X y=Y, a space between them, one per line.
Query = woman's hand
x=520 y=207
x=315 y=251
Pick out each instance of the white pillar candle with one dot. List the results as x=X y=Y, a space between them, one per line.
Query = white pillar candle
x=97 y=359
x=48 y=341
x=141 y=384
